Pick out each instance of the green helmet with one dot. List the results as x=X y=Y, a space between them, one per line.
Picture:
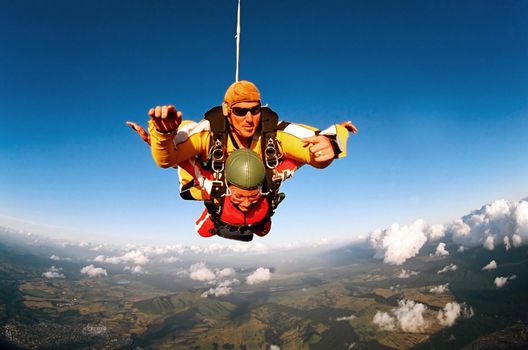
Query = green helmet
x=245 y=169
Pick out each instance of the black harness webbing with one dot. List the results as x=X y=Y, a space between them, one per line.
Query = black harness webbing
x=217 y=155
x=271 y=156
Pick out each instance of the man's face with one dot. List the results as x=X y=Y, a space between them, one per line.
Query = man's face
x=244 y=118
x=244 y=199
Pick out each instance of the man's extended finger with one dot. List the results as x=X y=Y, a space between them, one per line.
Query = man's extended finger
x=323 y=158
x=171 y=110
x=164 y=112
x=320 y=147
x=134 y=126
x=350 y=127
x=311 y=139
x=157 y=112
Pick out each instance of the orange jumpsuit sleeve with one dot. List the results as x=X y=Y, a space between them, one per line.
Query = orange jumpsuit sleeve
x=169 y=153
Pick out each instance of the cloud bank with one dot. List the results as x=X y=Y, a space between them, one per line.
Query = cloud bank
x=200 y=272
x=399 y=243
x=440 y=289
x=53 y=272
x=93 y=271
x=260 y=275
x=406 y=273
x=223 y=288
x=440 y=250
x=408 y=316
x=451 y=312
x=384 y=321
x=448 y=268
x=501 y=222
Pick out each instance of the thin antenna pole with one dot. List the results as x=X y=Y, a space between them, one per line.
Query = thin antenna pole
x=237 y=41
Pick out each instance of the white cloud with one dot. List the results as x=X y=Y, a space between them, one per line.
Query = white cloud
x=55 y=257
x=384 y=321
x=521 y=220
x=489 y=242
x=136 y=257
x=410 y=316
x=406 y=273
x=93 y=271
x=450 y=267
x=452 y=311
x=440 y=289
x=436 y=232
x=500 y=221
x=200 y=272
x=491 y=266
x=449 y=314
x=467 y=312
x=346 y=318
x=507 y=244
x=53 y=272
x=224 y=288
x=440 y=250
x=398 y=243
x=238 y=248
x=226 y=272
x=500 y=281
x=260 y=275
x=135 y=270
x=171 y=259
x=461 y=249
x=516 y=240
x=222 y=280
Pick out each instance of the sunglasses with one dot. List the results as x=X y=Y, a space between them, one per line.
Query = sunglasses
x=242 y=112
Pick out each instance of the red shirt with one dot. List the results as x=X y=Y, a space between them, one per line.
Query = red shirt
x=233 y=216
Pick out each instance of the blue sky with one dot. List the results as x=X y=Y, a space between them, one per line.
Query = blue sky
x=438 y=90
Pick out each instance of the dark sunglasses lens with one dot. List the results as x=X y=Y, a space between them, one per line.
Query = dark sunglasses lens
x=241 y=112
x=255 y=110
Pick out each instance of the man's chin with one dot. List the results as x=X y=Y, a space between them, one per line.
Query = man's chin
x=248 y=133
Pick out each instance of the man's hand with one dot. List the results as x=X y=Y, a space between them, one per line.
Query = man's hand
x=165 y=118
x=140 y=131
x=349 y=126
x=320 y=147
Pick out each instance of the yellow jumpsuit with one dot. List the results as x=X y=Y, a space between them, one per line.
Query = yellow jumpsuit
x=193 y=140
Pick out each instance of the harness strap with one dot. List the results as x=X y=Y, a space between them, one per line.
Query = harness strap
x=217 y=156
x=272 y=156
x=240 y=233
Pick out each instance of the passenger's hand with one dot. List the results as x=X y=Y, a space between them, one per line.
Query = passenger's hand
x=165 y=118
x=320 y=147
x=140 y=131
x=349 y=126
